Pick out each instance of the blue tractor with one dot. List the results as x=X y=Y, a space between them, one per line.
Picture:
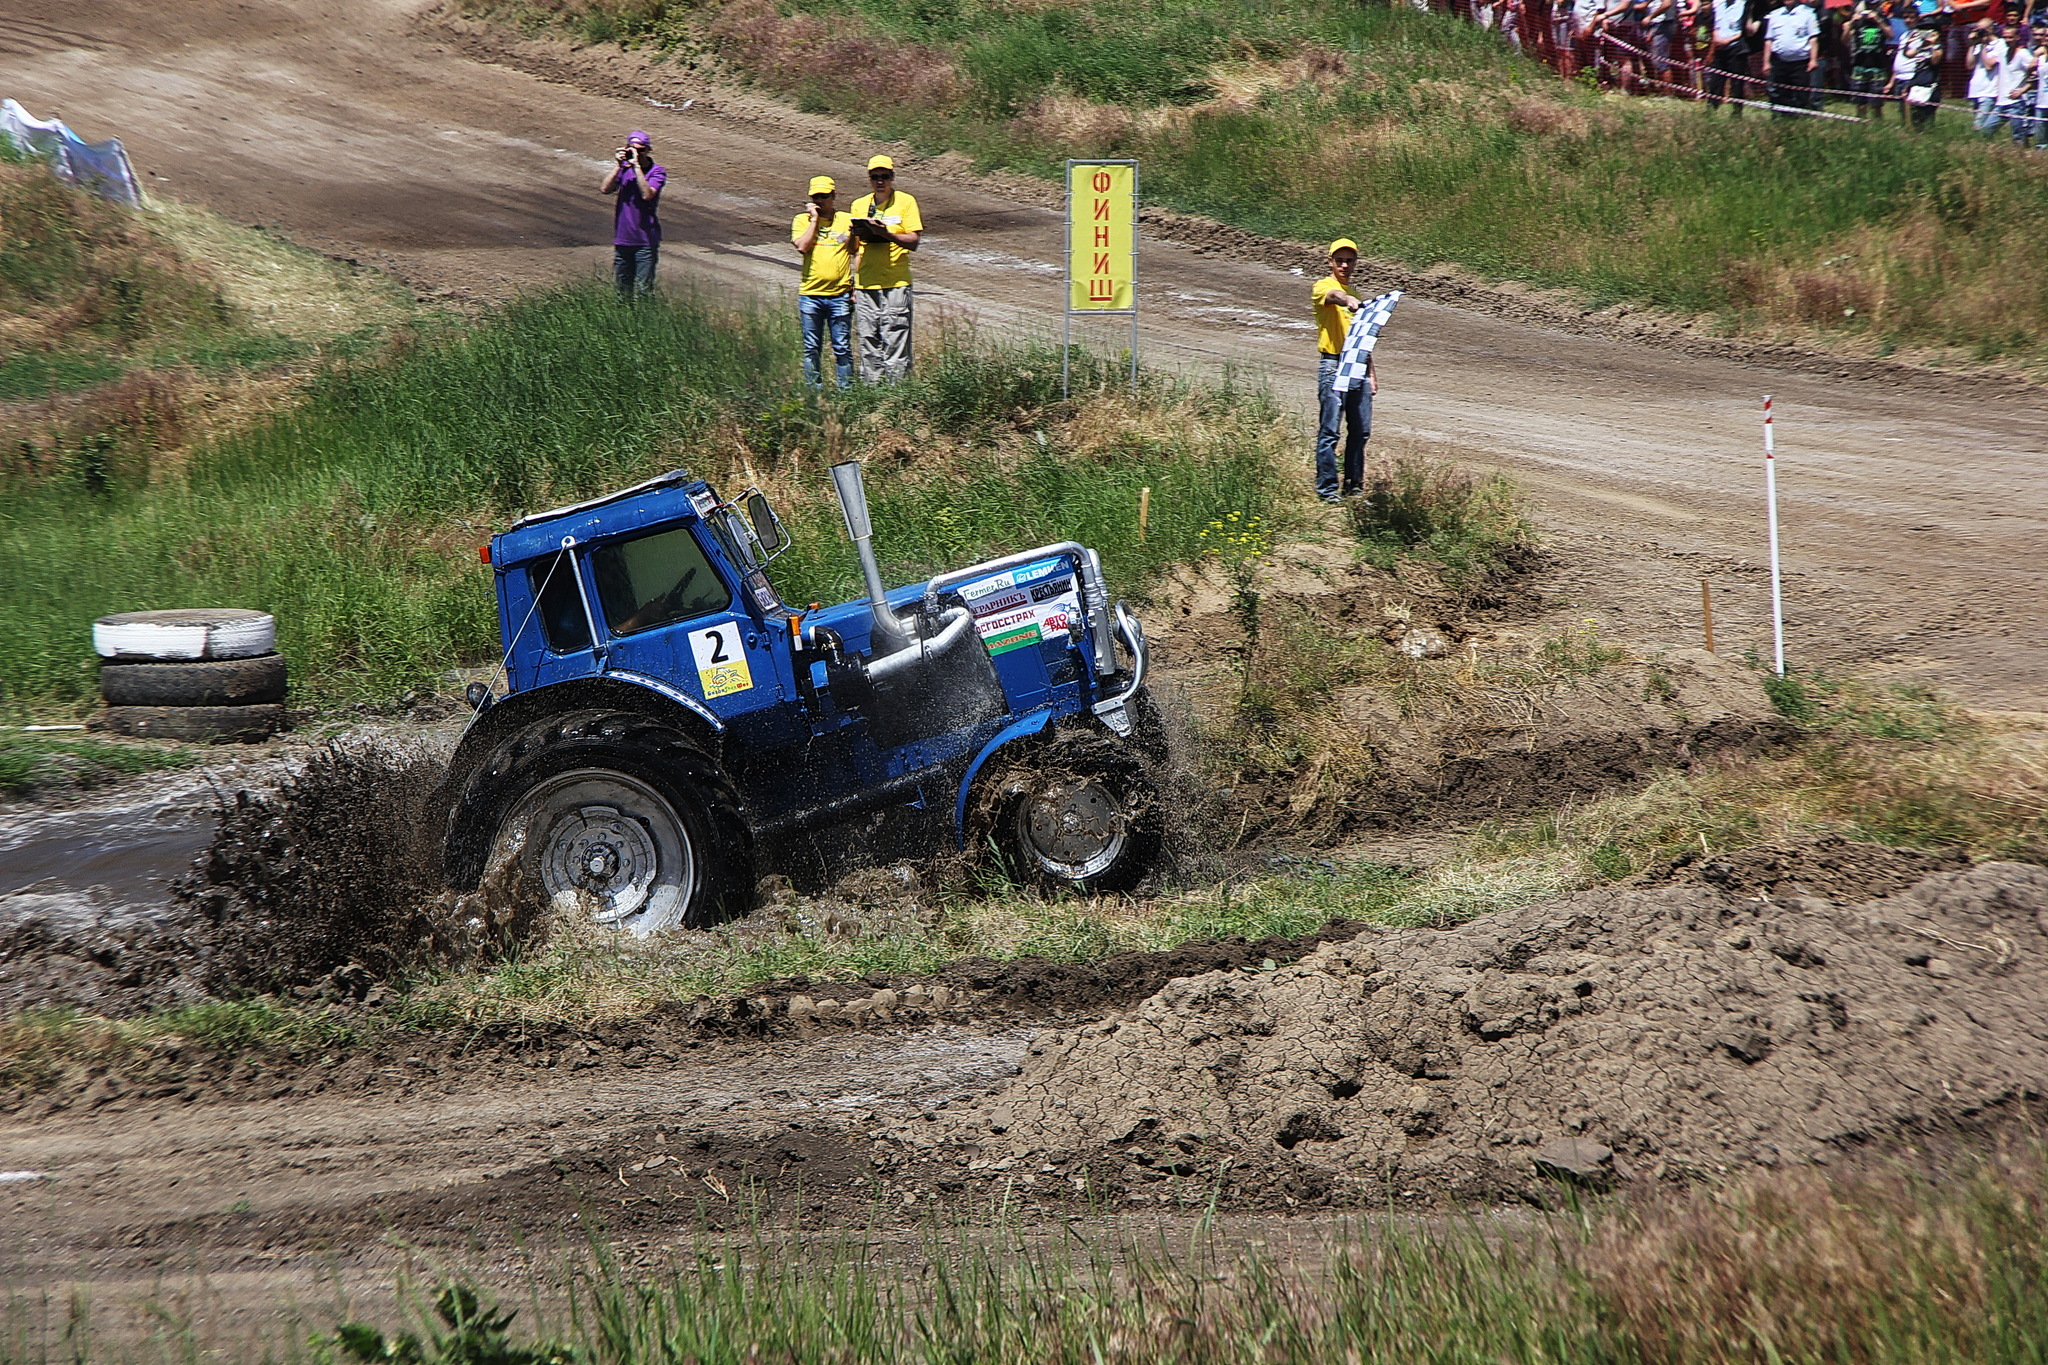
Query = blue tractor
x=669 y=722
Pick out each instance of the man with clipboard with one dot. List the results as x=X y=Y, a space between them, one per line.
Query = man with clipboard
x=887 y=225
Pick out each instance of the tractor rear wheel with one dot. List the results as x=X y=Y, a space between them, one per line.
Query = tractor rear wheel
x=610 y=817
x=1083 y=818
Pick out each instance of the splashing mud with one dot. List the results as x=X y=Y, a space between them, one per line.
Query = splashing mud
x=318 y=869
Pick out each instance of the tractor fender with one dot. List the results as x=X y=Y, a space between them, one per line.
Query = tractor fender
x=1033 y=724
x=618 y=692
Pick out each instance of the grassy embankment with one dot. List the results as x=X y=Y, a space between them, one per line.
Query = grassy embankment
x=126 y=336
x=354 y=512
x=1427 y=140
x=1896 y=1265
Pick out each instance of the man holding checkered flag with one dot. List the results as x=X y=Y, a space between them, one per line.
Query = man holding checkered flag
x=1345 y=379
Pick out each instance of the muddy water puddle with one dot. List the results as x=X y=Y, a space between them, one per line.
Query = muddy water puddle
x=107 y=858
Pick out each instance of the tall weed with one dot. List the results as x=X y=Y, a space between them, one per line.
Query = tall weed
x=354 y=515
x=1469 y=526
x=1893 y=1267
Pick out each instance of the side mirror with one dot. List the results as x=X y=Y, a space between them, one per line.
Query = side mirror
x=768 y=531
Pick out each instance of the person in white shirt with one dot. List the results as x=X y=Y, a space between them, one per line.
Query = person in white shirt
x=1728 y=55
x=1792 y=41
x=1916 y=77
x=2016 y=86
x=2041 y=90
x=1987 y=59
x=1588 y=16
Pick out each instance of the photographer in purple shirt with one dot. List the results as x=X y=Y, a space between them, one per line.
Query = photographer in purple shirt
x=636 y=229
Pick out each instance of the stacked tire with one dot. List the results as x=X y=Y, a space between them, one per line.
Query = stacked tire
x=208 y=674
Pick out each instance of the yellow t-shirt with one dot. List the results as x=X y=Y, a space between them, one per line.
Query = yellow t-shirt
x=1333 y=320
x=886 y=265
x=828 y=265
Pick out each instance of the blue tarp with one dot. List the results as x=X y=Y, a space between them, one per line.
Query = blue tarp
x=101 y=167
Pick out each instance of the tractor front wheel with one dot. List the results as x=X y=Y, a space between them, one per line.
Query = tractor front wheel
x=609 y=817
x=1085 y=818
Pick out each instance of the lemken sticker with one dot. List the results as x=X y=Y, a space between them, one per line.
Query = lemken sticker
x=721 y=660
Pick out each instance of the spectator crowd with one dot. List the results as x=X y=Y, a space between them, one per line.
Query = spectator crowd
x=1793 y=56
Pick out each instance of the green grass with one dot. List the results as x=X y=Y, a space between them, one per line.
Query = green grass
x=32 y=374
x=355 y=514
x=842 y=937
x=38 y=1047
x=1427 y=140
x=1469 y=528
x=32 y=762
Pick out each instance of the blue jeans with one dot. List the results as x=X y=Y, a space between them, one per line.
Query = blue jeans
x=2019 y=119
x=817 y=313
x=1987 y=115
x=633 y=269
x=1354 y=410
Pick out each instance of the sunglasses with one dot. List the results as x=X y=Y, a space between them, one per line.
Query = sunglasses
x=881 y=175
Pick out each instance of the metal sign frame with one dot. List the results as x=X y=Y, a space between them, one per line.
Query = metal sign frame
x=1067 y=288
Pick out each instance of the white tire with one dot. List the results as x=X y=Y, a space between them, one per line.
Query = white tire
x=192 y=633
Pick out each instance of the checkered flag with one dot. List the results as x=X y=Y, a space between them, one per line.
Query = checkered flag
x=1363 y=336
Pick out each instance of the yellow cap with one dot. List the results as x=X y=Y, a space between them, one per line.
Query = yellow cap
x=881 y=163
x=1343 y=244
x=821 y=184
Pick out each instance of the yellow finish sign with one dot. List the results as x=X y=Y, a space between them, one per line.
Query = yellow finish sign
x=1102 y=216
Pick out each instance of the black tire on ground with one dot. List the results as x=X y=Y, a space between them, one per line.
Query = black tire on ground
x=204 y=724
x=1082 y=816
x=223 y=682
x=612 y=814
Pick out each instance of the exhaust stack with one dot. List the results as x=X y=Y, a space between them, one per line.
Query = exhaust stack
x=853 y=501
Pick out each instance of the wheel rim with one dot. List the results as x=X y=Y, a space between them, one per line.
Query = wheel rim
x=605 y=846
x=1073 y=830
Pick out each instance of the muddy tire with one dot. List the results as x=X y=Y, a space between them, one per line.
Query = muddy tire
x=1083 y=817
x=184 y=635
x=199 y=724
x=607 y=815
x=220 y=682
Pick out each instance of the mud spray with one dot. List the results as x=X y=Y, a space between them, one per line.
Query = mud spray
x=317 y=882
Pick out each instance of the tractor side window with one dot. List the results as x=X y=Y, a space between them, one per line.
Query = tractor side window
x=561 y=606
x=656 y=579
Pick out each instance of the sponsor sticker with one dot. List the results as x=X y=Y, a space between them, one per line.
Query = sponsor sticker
x=1003 y=641
x=1001 y=601
x=721 y=660
x=1025 y=605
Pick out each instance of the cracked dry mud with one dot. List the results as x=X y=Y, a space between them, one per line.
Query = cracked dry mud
x=1633 y=1033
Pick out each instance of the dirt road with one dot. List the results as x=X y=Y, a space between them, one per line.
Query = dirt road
x=321 y=1185
x=1913 y=515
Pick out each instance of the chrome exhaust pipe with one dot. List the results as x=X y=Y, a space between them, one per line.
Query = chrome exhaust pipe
x=890 y=634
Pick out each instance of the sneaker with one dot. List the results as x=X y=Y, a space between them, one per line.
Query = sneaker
x=1330 y=498
x=1353 y=493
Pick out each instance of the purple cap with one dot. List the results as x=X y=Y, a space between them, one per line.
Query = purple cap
x=639 y=139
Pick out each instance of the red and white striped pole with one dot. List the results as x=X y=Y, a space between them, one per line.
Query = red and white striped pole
x=1777 y=582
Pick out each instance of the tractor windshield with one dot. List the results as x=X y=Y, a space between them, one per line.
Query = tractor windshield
x=656 y=579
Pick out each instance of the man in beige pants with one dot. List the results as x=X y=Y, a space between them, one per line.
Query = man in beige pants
x=887 y=222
